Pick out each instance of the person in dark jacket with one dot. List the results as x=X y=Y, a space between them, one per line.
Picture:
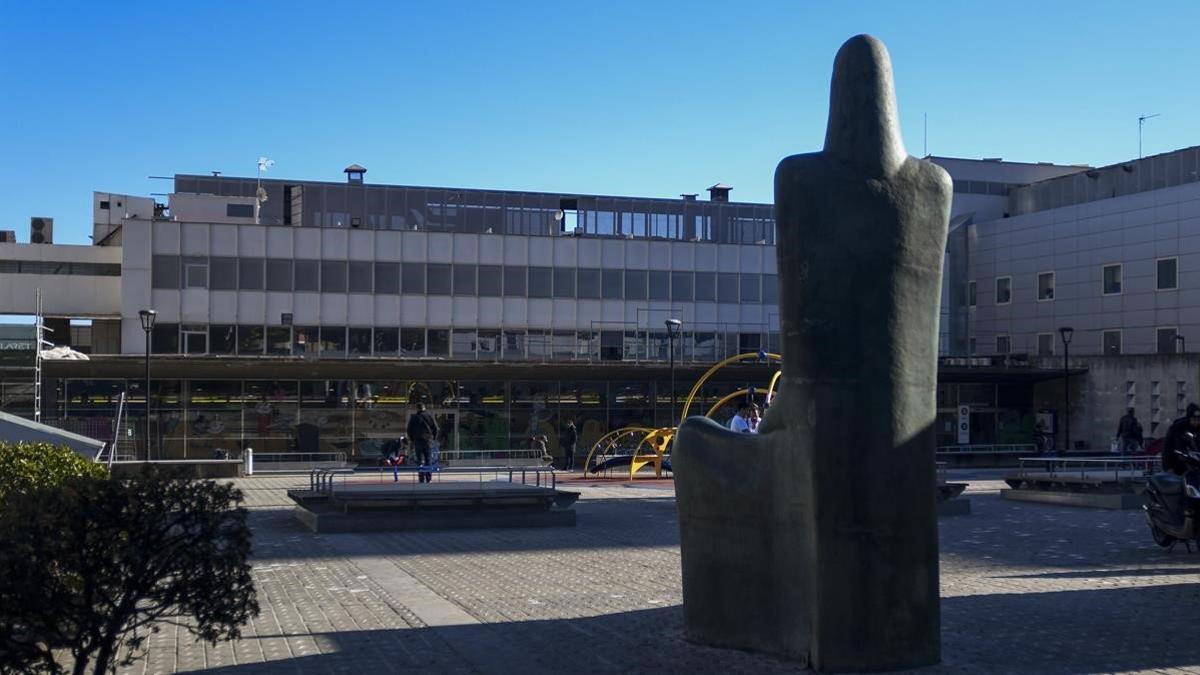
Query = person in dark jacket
x=568 y=441
x=422 y=431
x=1129 y=434
x=1181 y=437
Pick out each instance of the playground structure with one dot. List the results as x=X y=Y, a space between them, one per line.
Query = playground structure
x=637 y=447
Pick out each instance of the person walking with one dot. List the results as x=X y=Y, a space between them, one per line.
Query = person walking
x=568 y=441
x=1129 y=434
x=422 y=432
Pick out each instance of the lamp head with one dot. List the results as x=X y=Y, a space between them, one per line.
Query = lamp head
x=147 y=316
x=673 y=324
x=1066 y=332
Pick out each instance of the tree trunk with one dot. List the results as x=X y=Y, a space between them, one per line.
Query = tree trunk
x=105 y=656
x=81 y=662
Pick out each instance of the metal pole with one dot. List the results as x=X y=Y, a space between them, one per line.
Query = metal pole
x=147 y=396
x=671 y=335
x=1067 y=395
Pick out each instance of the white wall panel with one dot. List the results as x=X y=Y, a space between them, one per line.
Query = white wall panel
x=135 y=246
x=362 y=244
x=166 y=238
x=333 y=309
x=729 y=313
x=412 y=310
x=222 y=306
x=279 y=242
x=728 y=257
x=491 y=249
x=566 y=251
x=491 y=312
x=516 y=250
x=588 y=253
x=466 y=247
x=683 y=255
x=412 y=247
x=166 y=303
x=308 y=242
x=194 y=238
x=660 y=255
x=252 y=241
x=637 y=254
x=439 y=310
x=252 y=307
x=586 y=312
x=441 y=247
x=751 y=258
x=541 y=251
x=541 y=313
x=278 y=304
x=515 y=312
x=334 y=243
x=306 y=310
x=612 y=253
x=387 y=246
x=193 y=307
x=360 y=310
x=706 y=258
x=466 y=312
x=564 y=314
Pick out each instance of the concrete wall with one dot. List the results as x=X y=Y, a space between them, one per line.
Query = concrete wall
x=1157 y=386
x=69 y=295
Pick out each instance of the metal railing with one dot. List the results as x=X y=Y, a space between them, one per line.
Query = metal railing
x=323 y=480
x=1083 y=468
x=1009 y=449
x=478 y=457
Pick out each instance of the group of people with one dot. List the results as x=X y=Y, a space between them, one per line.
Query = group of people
x=568 y=439
x=421 y=433
x=1181 y=437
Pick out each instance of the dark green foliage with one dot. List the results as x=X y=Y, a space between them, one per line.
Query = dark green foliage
x=28 y=466
x=92 y=567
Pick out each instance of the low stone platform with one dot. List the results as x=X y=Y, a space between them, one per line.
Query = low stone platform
x=187 y=468
x=1120 y=501
x=444 y=505
x=950 y=501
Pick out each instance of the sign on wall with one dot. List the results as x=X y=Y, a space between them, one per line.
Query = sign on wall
x=964 y=425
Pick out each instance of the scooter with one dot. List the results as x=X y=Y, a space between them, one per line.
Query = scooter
x=1172 y=503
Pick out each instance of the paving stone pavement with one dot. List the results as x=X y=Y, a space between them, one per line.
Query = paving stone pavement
x=1026 y=588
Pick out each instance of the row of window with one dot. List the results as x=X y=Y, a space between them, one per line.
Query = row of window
x=1168 y=341
x=1167 y=280
x=53 y=267
x=339 y=276
x=457 y=343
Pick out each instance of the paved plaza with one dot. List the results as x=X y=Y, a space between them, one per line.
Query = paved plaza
x=1026 y=588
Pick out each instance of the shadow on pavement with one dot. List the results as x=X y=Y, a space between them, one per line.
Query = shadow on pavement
x=1058 y=632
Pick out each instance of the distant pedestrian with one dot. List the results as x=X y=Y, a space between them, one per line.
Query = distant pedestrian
x=755 y=418
x=741 y=420
x=1129 y=434
x=568 y=440
x=538 y=442
x=422 y=433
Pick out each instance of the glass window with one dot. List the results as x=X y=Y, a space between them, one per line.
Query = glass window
x=195 y=340
x=1046 y=286
x=727 y=287
x=360 y=341
x=770 y=289
x=659 y=285
x=412 y=342
x=333 y=276
x=750 y=289
x=1112 y=280
x=387 y=278
x=437 y=279
x=1045 y=344
x=279 y=275
x=165 y=271
x=588 y=283
x=1002 y=344
x=1168 y=274
x=611 y=282
x=307 y=275
x=221 y=339
x=164 y=339
x=439 y=342
x=1167 y=341
x=412 y=279
x=514 y=281
x=1111 y=340
x=564 y=282
x=463 y=343
x=541 y=282
x=387 y=341
x=513 y=345
x=223 y=274
x=361 y=276
x=681 y=286
x=250 y=339
x=279 y=340
x=333 y=340
x=635 y=284
x=305 y=339
x=491 y=281
x=970 y=293
x=250 y=274
x=1003 y=290
x=706 y=286
x=464 y=279
x=562 y=345
x=489 y=343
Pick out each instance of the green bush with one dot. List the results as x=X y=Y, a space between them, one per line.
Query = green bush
x=25 y=467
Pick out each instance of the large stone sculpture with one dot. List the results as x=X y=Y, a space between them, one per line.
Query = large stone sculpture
x=817 y=537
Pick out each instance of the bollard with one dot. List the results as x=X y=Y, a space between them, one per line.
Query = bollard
x=249 y=461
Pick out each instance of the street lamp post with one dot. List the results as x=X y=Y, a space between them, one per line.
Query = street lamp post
x=147 y=316
x=1182 y=344
x=1067 y=333
x=673 y=330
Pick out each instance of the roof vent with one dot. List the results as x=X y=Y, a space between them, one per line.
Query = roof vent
x=689 y=197
x=719 y=193
x=354 y=173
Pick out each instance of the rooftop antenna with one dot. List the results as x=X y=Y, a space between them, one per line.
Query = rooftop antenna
x=1141 y=122
x=260 y=195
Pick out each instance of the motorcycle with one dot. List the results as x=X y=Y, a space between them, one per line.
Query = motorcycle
x=1172 y=502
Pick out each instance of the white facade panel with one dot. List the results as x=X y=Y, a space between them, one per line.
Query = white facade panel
x=589 y=252
x=308 y=242
x=466 y=248
x=660 y=255
x=728 y=257
x=194 y=239
x=566 y=251
x=193 y=306
x=706 y=258
x=307 y=309
x=413 y=247
x=387 y=246
x=541 y=251
x=515 y=312
x=279 y=242
x=223 y=306
x=683 y=255
x=563 y=315
x=516 y=251
x=387 y=310
x=166 y=303
x=252 y=241
x=441 y=247
x=541 y=313
x=166 y=238
x=362 y=244
x=412 y=310
x=439 y=311
x=491 y=312
x=278 y=304
x=491 y=249
x=612 y=253
x=333 y=309
x=334 y=243
x=466 y=312
x=252 y=307
x=588 y=314
x=637 y=254
x=360 y=309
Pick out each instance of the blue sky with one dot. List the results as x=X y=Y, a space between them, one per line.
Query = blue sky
x=617 y=97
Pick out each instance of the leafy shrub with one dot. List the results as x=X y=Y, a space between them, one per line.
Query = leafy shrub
x=25 y=467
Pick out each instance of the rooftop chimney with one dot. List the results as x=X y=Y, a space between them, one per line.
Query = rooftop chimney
x=719 y=193
x=354 y=173
x=689 y=196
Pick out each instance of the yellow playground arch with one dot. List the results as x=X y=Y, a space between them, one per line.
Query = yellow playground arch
x=652 y=444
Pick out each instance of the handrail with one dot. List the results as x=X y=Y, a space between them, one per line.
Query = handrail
x=1117 y=463
x=986 y=448
x=322 y=480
